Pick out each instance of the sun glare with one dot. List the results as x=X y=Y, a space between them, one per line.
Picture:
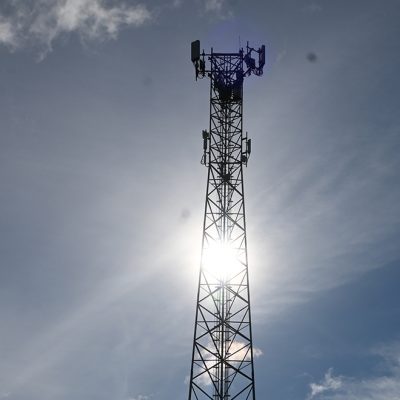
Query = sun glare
x=221 y=260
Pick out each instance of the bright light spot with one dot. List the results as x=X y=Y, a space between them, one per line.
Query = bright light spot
x=222 y=261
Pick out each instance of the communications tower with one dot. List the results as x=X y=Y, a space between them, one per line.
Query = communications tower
x=222 y=358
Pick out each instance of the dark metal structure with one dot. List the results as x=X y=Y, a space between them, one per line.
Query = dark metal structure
x=222 y=359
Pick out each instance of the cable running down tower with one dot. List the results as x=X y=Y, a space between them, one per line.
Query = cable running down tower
x=222 y=358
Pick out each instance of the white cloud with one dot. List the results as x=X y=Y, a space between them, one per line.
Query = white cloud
x=6 y=32
x=141 y=397
x=42 y=21
x=329 y=383
x=257 y=352
x=214 y=5
x=386 y=386
x=218 y=8
x=238 y=351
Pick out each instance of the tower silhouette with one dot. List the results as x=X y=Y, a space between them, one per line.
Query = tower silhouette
x=222 y=358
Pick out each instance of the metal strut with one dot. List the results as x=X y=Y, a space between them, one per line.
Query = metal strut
x=222 y=357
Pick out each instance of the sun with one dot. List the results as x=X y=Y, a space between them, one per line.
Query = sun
x=221 y=260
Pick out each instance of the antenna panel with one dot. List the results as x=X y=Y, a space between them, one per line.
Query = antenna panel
x=195 y=53
x=262 y=56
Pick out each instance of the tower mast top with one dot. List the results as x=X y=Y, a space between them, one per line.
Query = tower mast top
x=252 y=67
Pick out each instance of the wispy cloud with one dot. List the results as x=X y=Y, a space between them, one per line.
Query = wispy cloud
x=329 y=383
x=342 y=201
x=257 y=352
x=6 y=32
x=237 y=351
x=313 y=8
x=141 y=397
x=40 y=23
x=386 y=386
x=281 y=55
x=214 y=5
x=177 y=3
x=219 y=8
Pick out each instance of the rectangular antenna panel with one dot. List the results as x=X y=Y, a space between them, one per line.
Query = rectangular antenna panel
x=195 y=50
x=262 y=56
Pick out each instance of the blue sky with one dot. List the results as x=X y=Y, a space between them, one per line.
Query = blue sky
x=102 y=195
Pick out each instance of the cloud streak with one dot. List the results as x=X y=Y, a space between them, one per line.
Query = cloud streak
x=40 y=23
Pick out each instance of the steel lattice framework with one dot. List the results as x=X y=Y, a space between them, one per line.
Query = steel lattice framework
x=222 y=359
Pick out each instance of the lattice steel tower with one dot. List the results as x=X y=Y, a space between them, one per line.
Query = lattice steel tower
x=222 y=359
